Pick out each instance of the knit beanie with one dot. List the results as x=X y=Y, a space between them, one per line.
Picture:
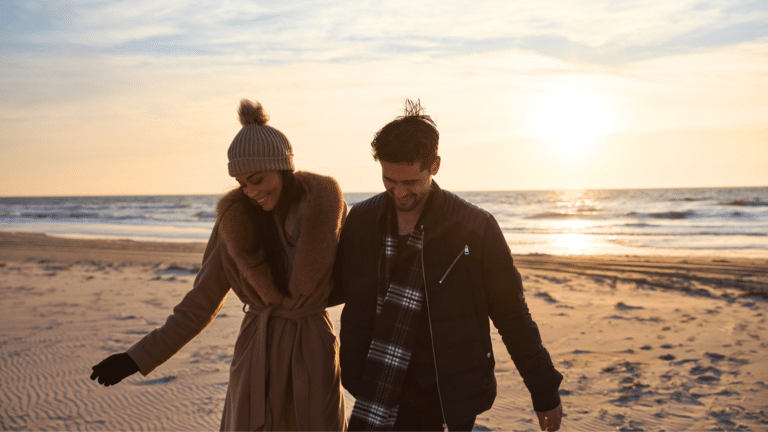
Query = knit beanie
x=258 y=147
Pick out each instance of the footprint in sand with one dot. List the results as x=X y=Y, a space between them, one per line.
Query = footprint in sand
x=706 y=379
x=57 y=267
x=725 y=416
x=738 y=361
x=698 y=370
x=623 y=367
x=178 y=270
x=158 y=381
x=714 y=357
x=624 y=307
x=706 y=375
x=686 y=398
x=548 y=298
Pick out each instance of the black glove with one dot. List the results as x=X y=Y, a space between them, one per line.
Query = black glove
x=114 y=368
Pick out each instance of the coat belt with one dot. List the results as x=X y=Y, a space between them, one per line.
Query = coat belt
x=259 y=358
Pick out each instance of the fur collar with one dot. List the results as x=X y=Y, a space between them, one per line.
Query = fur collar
x=323 y=210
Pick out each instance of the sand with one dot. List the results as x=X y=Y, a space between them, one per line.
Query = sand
x=644 y=343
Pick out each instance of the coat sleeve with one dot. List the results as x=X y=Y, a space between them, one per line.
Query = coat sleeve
x=191 y=316
x=510 y=315
x=336 y=296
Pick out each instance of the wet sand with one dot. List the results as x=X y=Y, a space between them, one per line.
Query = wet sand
x=644 y=342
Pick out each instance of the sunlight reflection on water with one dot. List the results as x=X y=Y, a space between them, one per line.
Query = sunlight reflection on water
x=574 y=244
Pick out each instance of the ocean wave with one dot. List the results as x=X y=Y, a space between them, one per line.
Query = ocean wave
x=205 y=214
x=151 y=207
x=643 y=230
x=553 y=215
x=672 y=215
x=585 y=213
x=82 y=215
x=95 y=217
x=686 y=234
x=639 y=225
x=85 y=216
x=687 y=199
x=751 y=202
x=710 y=233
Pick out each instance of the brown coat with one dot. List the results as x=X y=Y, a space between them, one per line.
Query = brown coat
x=285 y=369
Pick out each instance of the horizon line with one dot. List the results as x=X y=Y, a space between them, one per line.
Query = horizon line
x=380 y=191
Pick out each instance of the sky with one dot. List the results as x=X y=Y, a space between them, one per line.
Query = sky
x=139 y=97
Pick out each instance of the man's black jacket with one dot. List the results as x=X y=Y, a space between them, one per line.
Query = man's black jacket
x=462 y=295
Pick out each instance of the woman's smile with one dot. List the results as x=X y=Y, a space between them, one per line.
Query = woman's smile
x=263 y=187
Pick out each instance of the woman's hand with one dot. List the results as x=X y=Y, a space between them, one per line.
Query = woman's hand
x=550 y=420
x=114 y=368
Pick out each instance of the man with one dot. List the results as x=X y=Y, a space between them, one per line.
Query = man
x=420 y=271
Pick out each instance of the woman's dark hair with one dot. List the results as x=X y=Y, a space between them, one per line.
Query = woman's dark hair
x=409 y=138
x=268 y=232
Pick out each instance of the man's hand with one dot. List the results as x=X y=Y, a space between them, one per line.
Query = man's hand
x=113 y=369
x=550 y=420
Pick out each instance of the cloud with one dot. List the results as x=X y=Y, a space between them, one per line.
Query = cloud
x=599 y=32
x=725 y=35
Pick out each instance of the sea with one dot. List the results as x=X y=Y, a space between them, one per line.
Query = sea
x=715 y=222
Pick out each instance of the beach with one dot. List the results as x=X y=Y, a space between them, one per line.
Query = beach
x=644 y=342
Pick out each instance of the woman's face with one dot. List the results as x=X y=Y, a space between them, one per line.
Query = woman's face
x=262 y=186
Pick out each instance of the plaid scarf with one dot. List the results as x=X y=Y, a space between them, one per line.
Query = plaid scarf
x=398 y=305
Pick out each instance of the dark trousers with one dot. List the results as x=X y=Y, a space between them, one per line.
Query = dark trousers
x=419 y=410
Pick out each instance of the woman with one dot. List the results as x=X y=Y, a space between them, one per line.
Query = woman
x=273 y=243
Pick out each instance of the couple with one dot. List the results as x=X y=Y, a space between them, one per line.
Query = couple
x=419 y=270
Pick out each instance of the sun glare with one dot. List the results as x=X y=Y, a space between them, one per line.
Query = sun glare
x=571 y=120
x=573 y=244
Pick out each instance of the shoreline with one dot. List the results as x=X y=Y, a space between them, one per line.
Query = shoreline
x=644 y=342
x=67 y=249
x=21 y=240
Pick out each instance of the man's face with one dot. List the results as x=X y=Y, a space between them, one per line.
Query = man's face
x=407 y=184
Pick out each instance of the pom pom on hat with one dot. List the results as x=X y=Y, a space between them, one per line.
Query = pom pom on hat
x=252 y=113
x=258 y=147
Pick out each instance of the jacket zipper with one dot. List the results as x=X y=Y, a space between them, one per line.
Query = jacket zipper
x=431 y=336
x=465 y=252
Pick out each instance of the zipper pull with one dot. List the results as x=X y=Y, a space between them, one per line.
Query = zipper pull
x=466 y=252
x=445 y=427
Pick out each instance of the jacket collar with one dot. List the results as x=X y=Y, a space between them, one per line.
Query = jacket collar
x=316 y=246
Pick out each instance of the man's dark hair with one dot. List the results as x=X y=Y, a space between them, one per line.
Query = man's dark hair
x=409 y=138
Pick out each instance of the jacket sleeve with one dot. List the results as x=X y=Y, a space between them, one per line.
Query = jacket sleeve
x=510 y=315
x=191 y=316
x=336 y=296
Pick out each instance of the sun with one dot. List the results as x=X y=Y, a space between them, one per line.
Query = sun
x=571 y=120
